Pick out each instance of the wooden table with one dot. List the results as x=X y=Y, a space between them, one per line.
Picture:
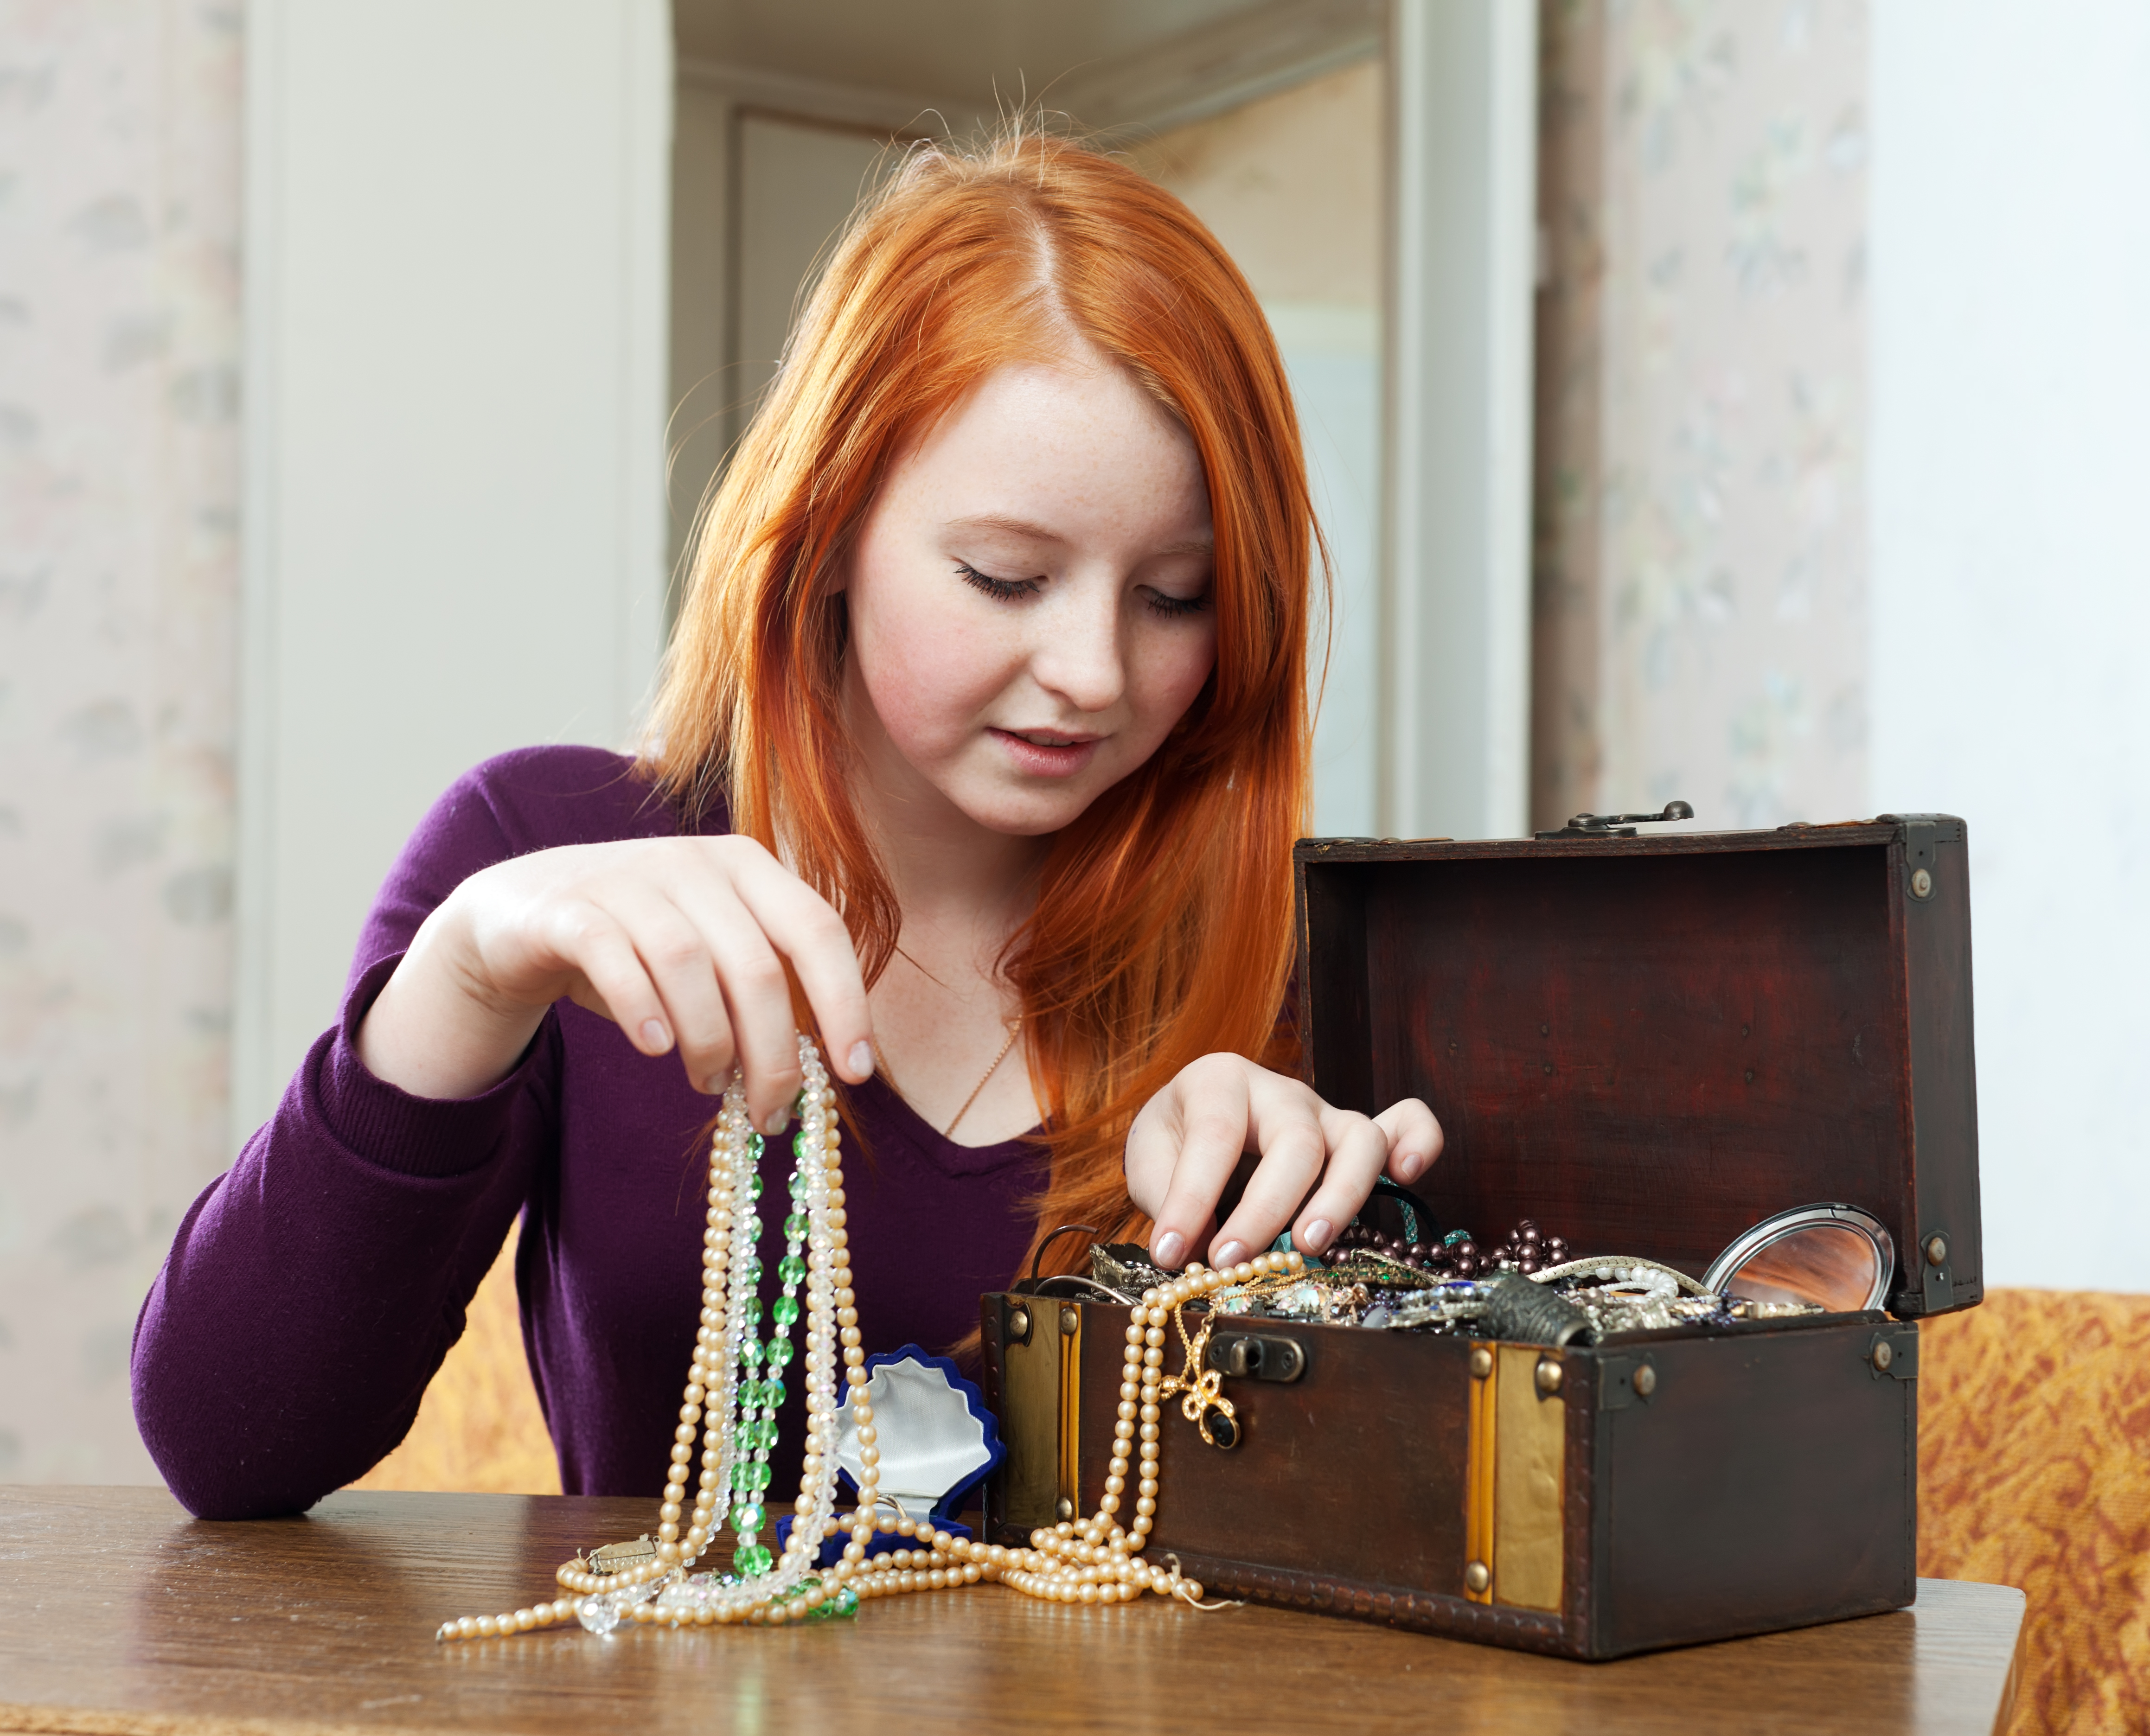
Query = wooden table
x=117 y=1613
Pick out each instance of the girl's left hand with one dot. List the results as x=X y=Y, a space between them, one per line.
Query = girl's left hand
x=1189 y=1137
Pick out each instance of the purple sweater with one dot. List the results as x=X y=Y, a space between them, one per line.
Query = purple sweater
x=313 y=1289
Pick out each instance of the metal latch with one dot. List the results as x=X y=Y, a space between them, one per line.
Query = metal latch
x=1244 y=1355
x=1617 y=825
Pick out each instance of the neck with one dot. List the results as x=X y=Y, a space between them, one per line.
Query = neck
x=952 y=881
x=961 y=887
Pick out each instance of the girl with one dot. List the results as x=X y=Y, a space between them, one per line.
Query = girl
x=985 y=724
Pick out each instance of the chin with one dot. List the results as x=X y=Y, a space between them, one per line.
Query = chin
x=1017 y=817
x=1028 y=824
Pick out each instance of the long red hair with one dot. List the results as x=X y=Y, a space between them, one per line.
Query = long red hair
x=1163 y=928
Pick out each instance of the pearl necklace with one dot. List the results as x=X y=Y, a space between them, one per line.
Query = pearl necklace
x=1098 y=1561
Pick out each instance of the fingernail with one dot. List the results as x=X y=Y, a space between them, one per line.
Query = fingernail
x=1230 y=1255
x=1316 y=1237
x=862 y=1059
x=781 y=1120
x=1170 y=1252
x=1408 y=1164
x=655 y=1036
x=715 y=1084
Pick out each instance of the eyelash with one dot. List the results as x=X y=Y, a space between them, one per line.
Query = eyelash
x=1006 y=590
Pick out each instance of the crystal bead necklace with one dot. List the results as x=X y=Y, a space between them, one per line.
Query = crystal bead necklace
x=735 y=1383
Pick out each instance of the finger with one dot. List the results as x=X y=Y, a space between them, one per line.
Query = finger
x=677 y=956
x=1210 y=1115
x=1415 y=1139
x=588 y=938
x=758 y=1000
x=805 y=927
x=1153 y=1145
x=1288 y=1134
x=1358 y=1152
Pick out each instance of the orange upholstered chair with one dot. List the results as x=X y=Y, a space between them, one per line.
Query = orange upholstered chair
x=479 y=1428
x=2034 y=1470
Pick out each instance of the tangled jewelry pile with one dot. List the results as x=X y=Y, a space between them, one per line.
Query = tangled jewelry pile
x=735 y=1383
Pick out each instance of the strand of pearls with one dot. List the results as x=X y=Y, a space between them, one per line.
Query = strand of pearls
x=1096 y=1561
x=656 y=1589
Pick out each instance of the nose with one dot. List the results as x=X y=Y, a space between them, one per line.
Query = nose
x=1077 y=656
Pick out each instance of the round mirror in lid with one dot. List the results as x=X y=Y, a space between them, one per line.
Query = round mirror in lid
x=1835 y=1256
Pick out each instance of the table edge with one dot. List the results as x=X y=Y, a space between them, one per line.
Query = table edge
x=26 y=1719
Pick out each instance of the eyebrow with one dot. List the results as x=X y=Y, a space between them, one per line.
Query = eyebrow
x=1040 y=533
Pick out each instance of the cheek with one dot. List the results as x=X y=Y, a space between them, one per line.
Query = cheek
x=926 y=669
x=1168 y=670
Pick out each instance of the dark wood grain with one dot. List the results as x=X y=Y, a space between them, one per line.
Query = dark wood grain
x=122 y=1615
x=1770 y=1483
x=1650 y=1044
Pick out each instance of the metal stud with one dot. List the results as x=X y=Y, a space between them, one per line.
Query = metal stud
x=1478 y=1576
x=1071 y=1322
x=1548 y=1377
x=1065 y=1509
x=1645 y=1381
x=1884 y=1354
x=1481 y=1362
x=1019 y=1325
x=1936 y=1251
x=1922 y=884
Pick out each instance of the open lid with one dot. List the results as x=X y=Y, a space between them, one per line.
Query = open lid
x=1649 y=1044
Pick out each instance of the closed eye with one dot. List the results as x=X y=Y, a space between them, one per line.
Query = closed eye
x=1005 y=590
x=1162 y=604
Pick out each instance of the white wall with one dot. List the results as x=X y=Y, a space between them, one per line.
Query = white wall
x=1462 y=195
x=2011 y=576
x=456 y=251
x=1333 y=354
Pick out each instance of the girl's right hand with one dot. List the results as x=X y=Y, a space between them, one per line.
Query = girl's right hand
x=679 y=941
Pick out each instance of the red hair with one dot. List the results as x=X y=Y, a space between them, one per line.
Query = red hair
x=1163 y=928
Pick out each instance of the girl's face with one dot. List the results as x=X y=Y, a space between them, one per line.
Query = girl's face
x=1030 y=602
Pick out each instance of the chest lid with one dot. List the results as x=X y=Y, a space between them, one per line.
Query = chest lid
x=1650 y=1043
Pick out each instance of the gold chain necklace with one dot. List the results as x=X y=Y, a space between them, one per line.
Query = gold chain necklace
x=1097 y=1560
x=1014 y=1031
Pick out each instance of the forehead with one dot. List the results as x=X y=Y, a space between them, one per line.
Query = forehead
x=1042 y=444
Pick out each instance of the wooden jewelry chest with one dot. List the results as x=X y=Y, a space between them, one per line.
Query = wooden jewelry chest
x=1646 y=1044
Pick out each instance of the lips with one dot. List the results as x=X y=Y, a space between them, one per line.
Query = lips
x=1046 y=752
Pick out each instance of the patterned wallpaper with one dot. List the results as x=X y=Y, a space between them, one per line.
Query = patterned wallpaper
x=119 y=190
x=1701 y=521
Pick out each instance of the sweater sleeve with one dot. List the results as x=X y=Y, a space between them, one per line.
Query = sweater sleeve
x=313 y=1289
